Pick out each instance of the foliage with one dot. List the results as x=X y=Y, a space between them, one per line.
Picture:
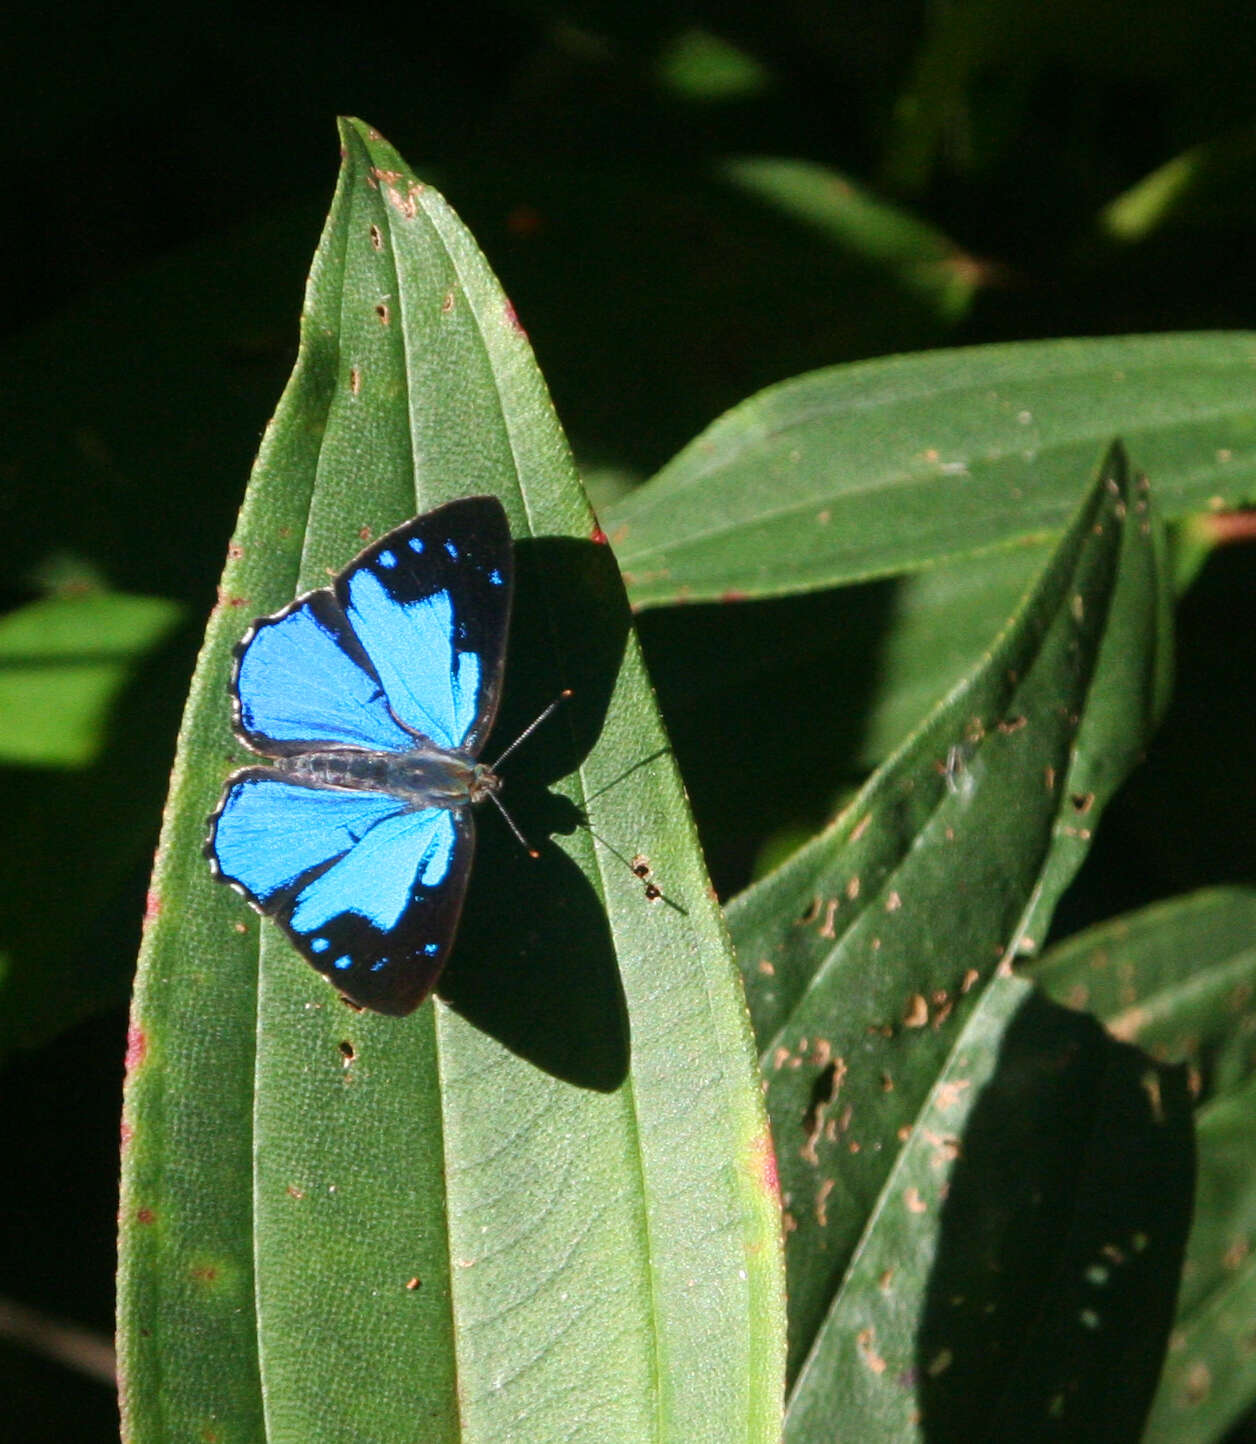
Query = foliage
x=908 y=623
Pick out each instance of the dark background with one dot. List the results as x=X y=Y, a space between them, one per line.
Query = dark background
x=168 y=169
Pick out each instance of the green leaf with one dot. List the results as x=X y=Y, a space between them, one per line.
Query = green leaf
x=887 y=466
x=1209 y=1378
x=1179 y=978
x=924 y=260
x=863 y=953
x=63 y=662
x=1020 y=1264
x=543 y=1205
x=89 y=684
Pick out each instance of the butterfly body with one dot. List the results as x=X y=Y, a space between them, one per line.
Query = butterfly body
x=428 y=776
x=371 y=699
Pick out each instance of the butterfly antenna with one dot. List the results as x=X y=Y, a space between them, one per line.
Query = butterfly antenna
x=510 y=823
x=523 y=736
x=530 y=729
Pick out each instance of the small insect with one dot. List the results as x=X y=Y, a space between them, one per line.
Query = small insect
x=372 y=699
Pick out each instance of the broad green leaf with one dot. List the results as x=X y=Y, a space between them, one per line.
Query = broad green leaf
x=89 y=695
x=1209 y=1377
x=63 y=662
x=888 y=466
x=542 y=1206
x=863 y=953
x=1017 y=1275
x=1179 y=978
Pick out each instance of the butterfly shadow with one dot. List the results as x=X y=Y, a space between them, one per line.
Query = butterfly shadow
x=534 y=965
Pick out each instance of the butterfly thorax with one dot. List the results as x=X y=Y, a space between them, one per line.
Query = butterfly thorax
x=428 y=776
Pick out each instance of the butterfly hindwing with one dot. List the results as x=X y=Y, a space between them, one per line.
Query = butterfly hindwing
x=271 y=831
x=368 y=888
x=381 y=921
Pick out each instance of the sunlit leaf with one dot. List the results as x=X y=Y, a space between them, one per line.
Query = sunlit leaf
x=543 y=1205
x=864 y=952
x=887 y=466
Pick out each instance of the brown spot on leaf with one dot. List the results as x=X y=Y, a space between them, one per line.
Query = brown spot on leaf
x=823 y=1091
x=865 y=1342
x=917 y=1012
x=1198 y=1382
x=949 y=1094
x=913 y=1200
x=1150 y=1082
x=822 y=1199
x=827 y=930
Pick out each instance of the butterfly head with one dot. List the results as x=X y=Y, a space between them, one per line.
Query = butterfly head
x=484 y=782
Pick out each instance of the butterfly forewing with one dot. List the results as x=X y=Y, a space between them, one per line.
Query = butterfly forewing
x=430 y=605
x=405 y=650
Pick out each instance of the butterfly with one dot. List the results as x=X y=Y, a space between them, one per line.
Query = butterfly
x=372 y=698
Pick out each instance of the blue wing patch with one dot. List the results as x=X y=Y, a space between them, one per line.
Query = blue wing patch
x=431 y=685
x=302 y=682
x=374 y=697
x=429 y=606
x=271 y=831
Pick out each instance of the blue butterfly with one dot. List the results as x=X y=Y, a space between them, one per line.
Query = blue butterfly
x=373 y=697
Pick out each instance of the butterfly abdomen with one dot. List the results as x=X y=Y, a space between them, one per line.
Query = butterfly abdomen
x=428 y=776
